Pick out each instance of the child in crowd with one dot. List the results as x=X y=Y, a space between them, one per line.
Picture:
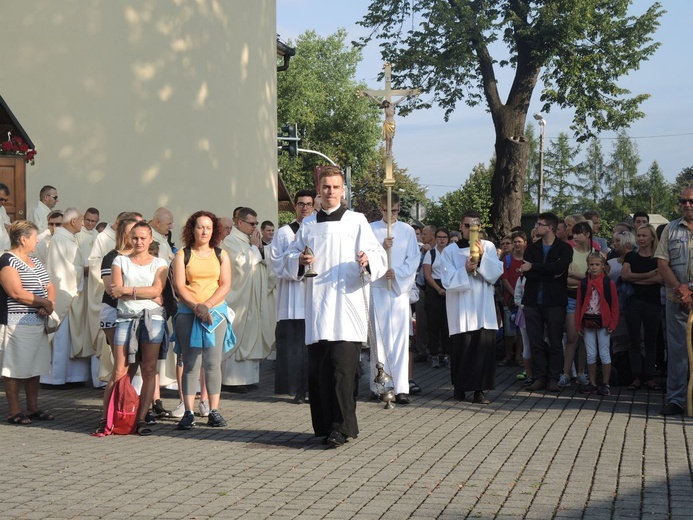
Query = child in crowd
x=596 y=317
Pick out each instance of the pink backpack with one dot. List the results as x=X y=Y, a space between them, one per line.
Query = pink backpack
x=121 y=417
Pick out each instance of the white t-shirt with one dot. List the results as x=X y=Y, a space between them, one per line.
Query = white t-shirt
x=436 y=273
x=137 y=276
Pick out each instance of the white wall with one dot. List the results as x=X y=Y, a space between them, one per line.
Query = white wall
x=140 y=104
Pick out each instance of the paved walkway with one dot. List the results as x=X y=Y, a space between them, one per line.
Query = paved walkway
x=537 y=456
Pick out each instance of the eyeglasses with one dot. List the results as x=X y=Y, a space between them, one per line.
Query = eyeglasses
x=3 y=200
x=254 y=224
x=467 y=225
x=304 y=204
x=54 y=197
x=685 y=201
x=56 y=224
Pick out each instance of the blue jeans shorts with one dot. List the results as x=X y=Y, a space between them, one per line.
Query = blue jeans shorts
x=122 y=332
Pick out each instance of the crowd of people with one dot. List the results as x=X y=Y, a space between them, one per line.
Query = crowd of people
x=562 y=304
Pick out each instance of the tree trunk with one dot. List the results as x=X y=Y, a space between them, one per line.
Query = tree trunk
x=507 y=183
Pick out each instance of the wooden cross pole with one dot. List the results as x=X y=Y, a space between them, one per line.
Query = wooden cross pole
x=384 y=99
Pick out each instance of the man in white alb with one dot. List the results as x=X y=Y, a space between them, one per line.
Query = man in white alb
x=48 y=198
x=391 y=309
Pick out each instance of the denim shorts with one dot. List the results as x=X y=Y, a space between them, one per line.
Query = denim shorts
x=122 y=332
x=570 y=309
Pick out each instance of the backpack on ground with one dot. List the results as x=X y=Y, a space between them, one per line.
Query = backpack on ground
x=121 y=417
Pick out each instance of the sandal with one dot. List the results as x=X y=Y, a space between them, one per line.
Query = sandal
x=653 y=387
x=40 y=415
x=19 y=418
x=102 y=430
x=143 y=429
x=413 y=387
x=635 y=385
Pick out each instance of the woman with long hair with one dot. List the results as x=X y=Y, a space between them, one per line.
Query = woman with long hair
x=582 y=239
x=201 y=279
x=137 y=281
x=643 y=308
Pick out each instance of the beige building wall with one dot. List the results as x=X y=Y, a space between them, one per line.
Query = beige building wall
x=140 y=104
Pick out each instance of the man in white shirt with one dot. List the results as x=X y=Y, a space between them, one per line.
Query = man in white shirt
x=291 y=374
x=43 y=241
x=71 y=349
x=162 y=224
x=391 y=310
x=471 y=310
x=48 y=198
x=336 y=316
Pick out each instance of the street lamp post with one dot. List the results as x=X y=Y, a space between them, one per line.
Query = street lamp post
x=542 y=135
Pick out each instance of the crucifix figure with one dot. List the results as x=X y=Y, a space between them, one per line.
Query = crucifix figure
x=384 y=99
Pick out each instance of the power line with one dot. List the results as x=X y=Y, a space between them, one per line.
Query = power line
x=629 y=137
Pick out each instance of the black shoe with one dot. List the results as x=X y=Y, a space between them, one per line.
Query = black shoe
x=300 y=398
x=336 y=439
x=215 y=420
x=402 y=399
x=150 y=418
x=671 y=409
x=480 y=398
x=529 y=381
x=159 y=410
x=187 y=422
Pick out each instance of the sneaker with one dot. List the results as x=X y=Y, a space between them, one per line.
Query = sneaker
x=589 y=388
x=215 y=420
x=159 y=410
x=150 y=418
x=178 y=411
x=604 y=390
x=187 y=422
x=529 y=381
x=336 y=439
x=446 y=361
x=521 y=376
x=582 y=380
x=564 y=381
x=204 y=408
x=435 y=362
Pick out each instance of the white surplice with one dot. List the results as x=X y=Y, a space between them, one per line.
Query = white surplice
x=255 y=320
x=335 y=307
x=390 y=309
x=71 y=346
x=39 y=216
x=470 y=298
x=43 y=242
x=4 y=235
x=85 y=239
x=165 y=251
x=290 y=292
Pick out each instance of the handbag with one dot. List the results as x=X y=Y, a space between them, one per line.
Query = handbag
x=592 y=321
x=52 y=323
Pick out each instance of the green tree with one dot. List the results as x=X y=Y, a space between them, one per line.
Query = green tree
x=590 y=174
x=559 y=172
x=652 y=193
x=579 y=48
x=622 y=171
x=474 y=194
x=368 y=189
x=683 y=180
x=318 y=92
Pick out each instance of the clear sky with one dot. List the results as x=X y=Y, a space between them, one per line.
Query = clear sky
x=443 y=154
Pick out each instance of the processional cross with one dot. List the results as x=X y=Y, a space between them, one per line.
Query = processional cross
x=384 y=99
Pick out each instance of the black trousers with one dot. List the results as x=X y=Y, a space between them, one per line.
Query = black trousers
x=546 y=366
x=437 y=316
x=332 y=371
x=646 y=316
x=291 y=373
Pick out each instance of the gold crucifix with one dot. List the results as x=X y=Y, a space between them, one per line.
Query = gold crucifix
x=384 y=99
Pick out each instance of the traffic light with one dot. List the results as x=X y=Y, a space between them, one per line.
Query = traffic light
x=288 y=138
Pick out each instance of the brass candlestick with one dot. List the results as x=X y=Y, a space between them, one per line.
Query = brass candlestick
x=474 y=252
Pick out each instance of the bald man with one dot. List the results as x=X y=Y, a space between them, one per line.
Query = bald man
x=162 y=224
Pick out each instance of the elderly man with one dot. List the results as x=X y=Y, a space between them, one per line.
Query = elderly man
x=291 y=374
x=48 y=198
x=391 y=310
x=344 y=246
x=226 y=226
x=162 y=224
x=675 y=265
x=249 y=297
x=65 y=265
